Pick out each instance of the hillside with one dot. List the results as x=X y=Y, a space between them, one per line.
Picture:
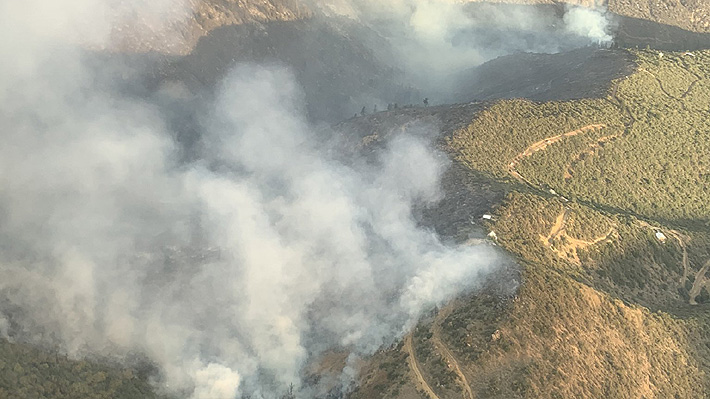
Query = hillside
x=197 y=18
x=596 y=304
x=614 y=250
x=29 y=372
x=194 y=19
x=693 y=15
x=591 y=166
x=639 y=157
x=335 y=86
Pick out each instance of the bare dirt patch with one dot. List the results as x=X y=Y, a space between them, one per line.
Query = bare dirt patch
x=566 y=246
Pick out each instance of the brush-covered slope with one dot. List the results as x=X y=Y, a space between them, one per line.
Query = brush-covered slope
x=606 y=213
x=603 y=202
x=643 y=149
x=332 y=59
x=28 y=372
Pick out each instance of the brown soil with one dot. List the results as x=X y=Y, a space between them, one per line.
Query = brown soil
x=568 y=246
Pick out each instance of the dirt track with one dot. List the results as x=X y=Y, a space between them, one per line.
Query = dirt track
x=558 y=227
x=541 y=145
x=448 y=355
x=701 y=281
x=414 y=366
x=568 y=250
x=686 y=265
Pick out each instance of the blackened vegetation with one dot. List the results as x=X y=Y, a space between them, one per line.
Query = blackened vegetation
x=582 y=73
x=335 y=66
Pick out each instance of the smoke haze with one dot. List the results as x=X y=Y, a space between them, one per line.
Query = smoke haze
x=232 y=270
x=434 y=41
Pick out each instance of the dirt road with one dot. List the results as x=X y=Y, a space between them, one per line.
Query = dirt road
x=447 y=354
x=542 y=144
x=558 y=227
x=414 y=366
x=701 y=281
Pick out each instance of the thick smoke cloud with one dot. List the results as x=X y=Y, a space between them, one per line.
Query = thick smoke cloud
x=229 y=272
x=588 y=23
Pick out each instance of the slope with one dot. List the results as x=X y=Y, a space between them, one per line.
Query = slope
x=614 y=296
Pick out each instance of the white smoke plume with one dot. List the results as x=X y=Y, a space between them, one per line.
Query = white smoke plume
x=589 y=23
x=435 y=39
x=229 y=272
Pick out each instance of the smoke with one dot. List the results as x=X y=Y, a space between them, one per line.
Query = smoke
x=215 y=381
x=588 y=23
x=4 y=327
x=436 y=42
x=230 y=271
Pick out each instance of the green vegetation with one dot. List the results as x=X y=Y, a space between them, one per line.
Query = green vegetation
x=652 y=158
x=498 y=134
x=609 y=225
x=28 y=372
x=385 y=375
x=586 y=224
x=471 y=325
x=433 y=365
x=603 y=310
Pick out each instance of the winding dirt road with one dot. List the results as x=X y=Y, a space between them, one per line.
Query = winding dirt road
x=570 y=245
x=541 y=145
x=558 y=227
x=690 y=88
x=448 y=355
x=686 y=265
x=414 y=366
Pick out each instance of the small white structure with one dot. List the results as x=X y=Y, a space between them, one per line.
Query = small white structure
x=487 y=217
x=553 y=192
x=492 y=235
x=660 y=236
